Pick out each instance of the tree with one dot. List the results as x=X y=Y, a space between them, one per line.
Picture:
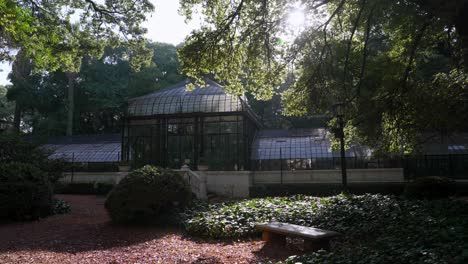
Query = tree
x=102 y=88
x=107 y=83
x=380 y=58
x=58 y=34
x=6 y=108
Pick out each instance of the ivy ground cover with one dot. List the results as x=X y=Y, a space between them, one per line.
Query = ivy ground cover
x=376 y=228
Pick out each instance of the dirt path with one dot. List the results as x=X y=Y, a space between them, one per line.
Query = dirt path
x=86 y=235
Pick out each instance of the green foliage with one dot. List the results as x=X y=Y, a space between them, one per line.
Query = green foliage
x=25 y=192
x=375 y=228
x=105 y=84
x=22 y=172
x=6 y=108
x=16 y=150
x=61 y=207
x=148 y=195
x=47 y=31
x=387 y=60
x=83 y=188
x=430 y=187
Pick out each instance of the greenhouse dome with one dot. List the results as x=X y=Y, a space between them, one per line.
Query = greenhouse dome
x=175 y=126
x=178 y=100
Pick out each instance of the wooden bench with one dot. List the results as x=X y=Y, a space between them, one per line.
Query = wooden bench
x=314 y=238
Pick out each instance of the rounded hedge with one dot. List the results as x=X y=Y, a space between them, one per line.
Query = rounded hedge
x=25 y=192
x=148 y=195
x=430 y=187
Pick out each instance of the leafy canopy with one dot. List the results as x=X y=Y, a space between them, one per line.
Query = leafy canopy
x=103 y=86
x=399 y=66
x=57 y=34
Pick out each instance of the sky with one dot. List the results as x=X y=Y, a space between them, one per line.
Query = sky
x=164 y=25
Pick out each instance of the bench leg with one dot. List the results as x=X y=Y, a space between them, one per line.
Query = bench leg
x=272 y=238
x=313 y=245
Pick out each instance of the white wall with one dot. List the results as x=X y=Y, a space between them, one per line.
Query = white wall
x=91 y=177
x=235 y=184
x=232 y=184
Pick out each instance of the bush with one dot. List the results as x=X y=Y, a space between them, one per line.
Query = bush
x=25 y=192
x=375 y=228
x=148 y=195
x=61 y=207
x=431 y=187
x=97 y=188
x=15 y=150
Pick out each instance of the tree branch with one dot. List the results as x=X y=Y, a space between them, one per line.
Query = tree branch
x=348 y=49
x=364 y=55
x=414 y=47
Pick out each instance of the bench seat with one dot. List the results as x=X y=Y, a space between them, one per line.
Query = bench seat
x=314 y=238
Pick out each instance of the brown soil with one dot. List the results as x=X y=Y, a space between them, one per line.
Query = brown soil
x=86 y=235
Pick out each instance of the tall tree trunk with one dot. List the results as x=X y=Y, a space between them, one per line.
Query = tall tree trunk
x=71 y=101
x=17 y=118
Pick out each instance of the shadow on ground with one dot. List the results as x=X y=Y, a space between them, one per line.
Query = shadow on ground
x=87 y=227
x=87 y=230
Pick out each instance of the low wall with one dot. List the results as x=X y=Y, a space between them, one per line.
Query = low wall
x=328 y=176
x=236 y=184
x=91 y=177
x=232 y=184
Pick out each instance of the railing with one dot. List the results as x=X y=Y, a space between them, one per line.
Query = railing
x=197 y=182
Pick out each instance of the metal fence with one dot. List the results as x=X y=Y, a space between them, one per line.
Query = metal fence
x=326 y=163
x=453 y=166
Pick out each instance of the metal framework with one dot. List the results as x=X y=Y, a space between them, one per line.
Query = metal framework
x=204 y=126
x=177 y=99
x=299 y=149
x=85 y=148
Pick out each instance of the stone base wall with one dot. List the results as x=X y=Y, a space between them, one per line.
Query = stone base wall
x=231 y=184
x=92 y=177
x=236 y=184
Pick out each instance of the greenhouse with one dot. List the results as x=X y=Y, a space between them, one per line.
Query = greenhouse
x=209 y=129
x=87 y=152
x=204 y=127
x=301 y=149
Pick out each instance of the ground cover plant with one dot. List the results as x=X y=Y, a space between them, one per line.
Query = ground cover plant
x=375 y=228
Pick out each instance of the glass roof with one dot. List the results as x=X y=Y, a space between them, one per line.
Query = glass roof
x=85 y=148
x=176 y=99
x=295 y=144
x=109 y=152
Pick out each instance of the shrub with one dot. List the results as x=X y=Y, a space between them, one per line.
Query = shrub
x=97 y=188
x=147 y=195
x=25 y=192
x=431 y=187
x=15 y=150
x=61 y=207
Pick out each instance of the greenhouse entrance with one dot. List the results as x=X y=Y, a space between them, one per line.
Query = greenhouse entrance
x=204 y=127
